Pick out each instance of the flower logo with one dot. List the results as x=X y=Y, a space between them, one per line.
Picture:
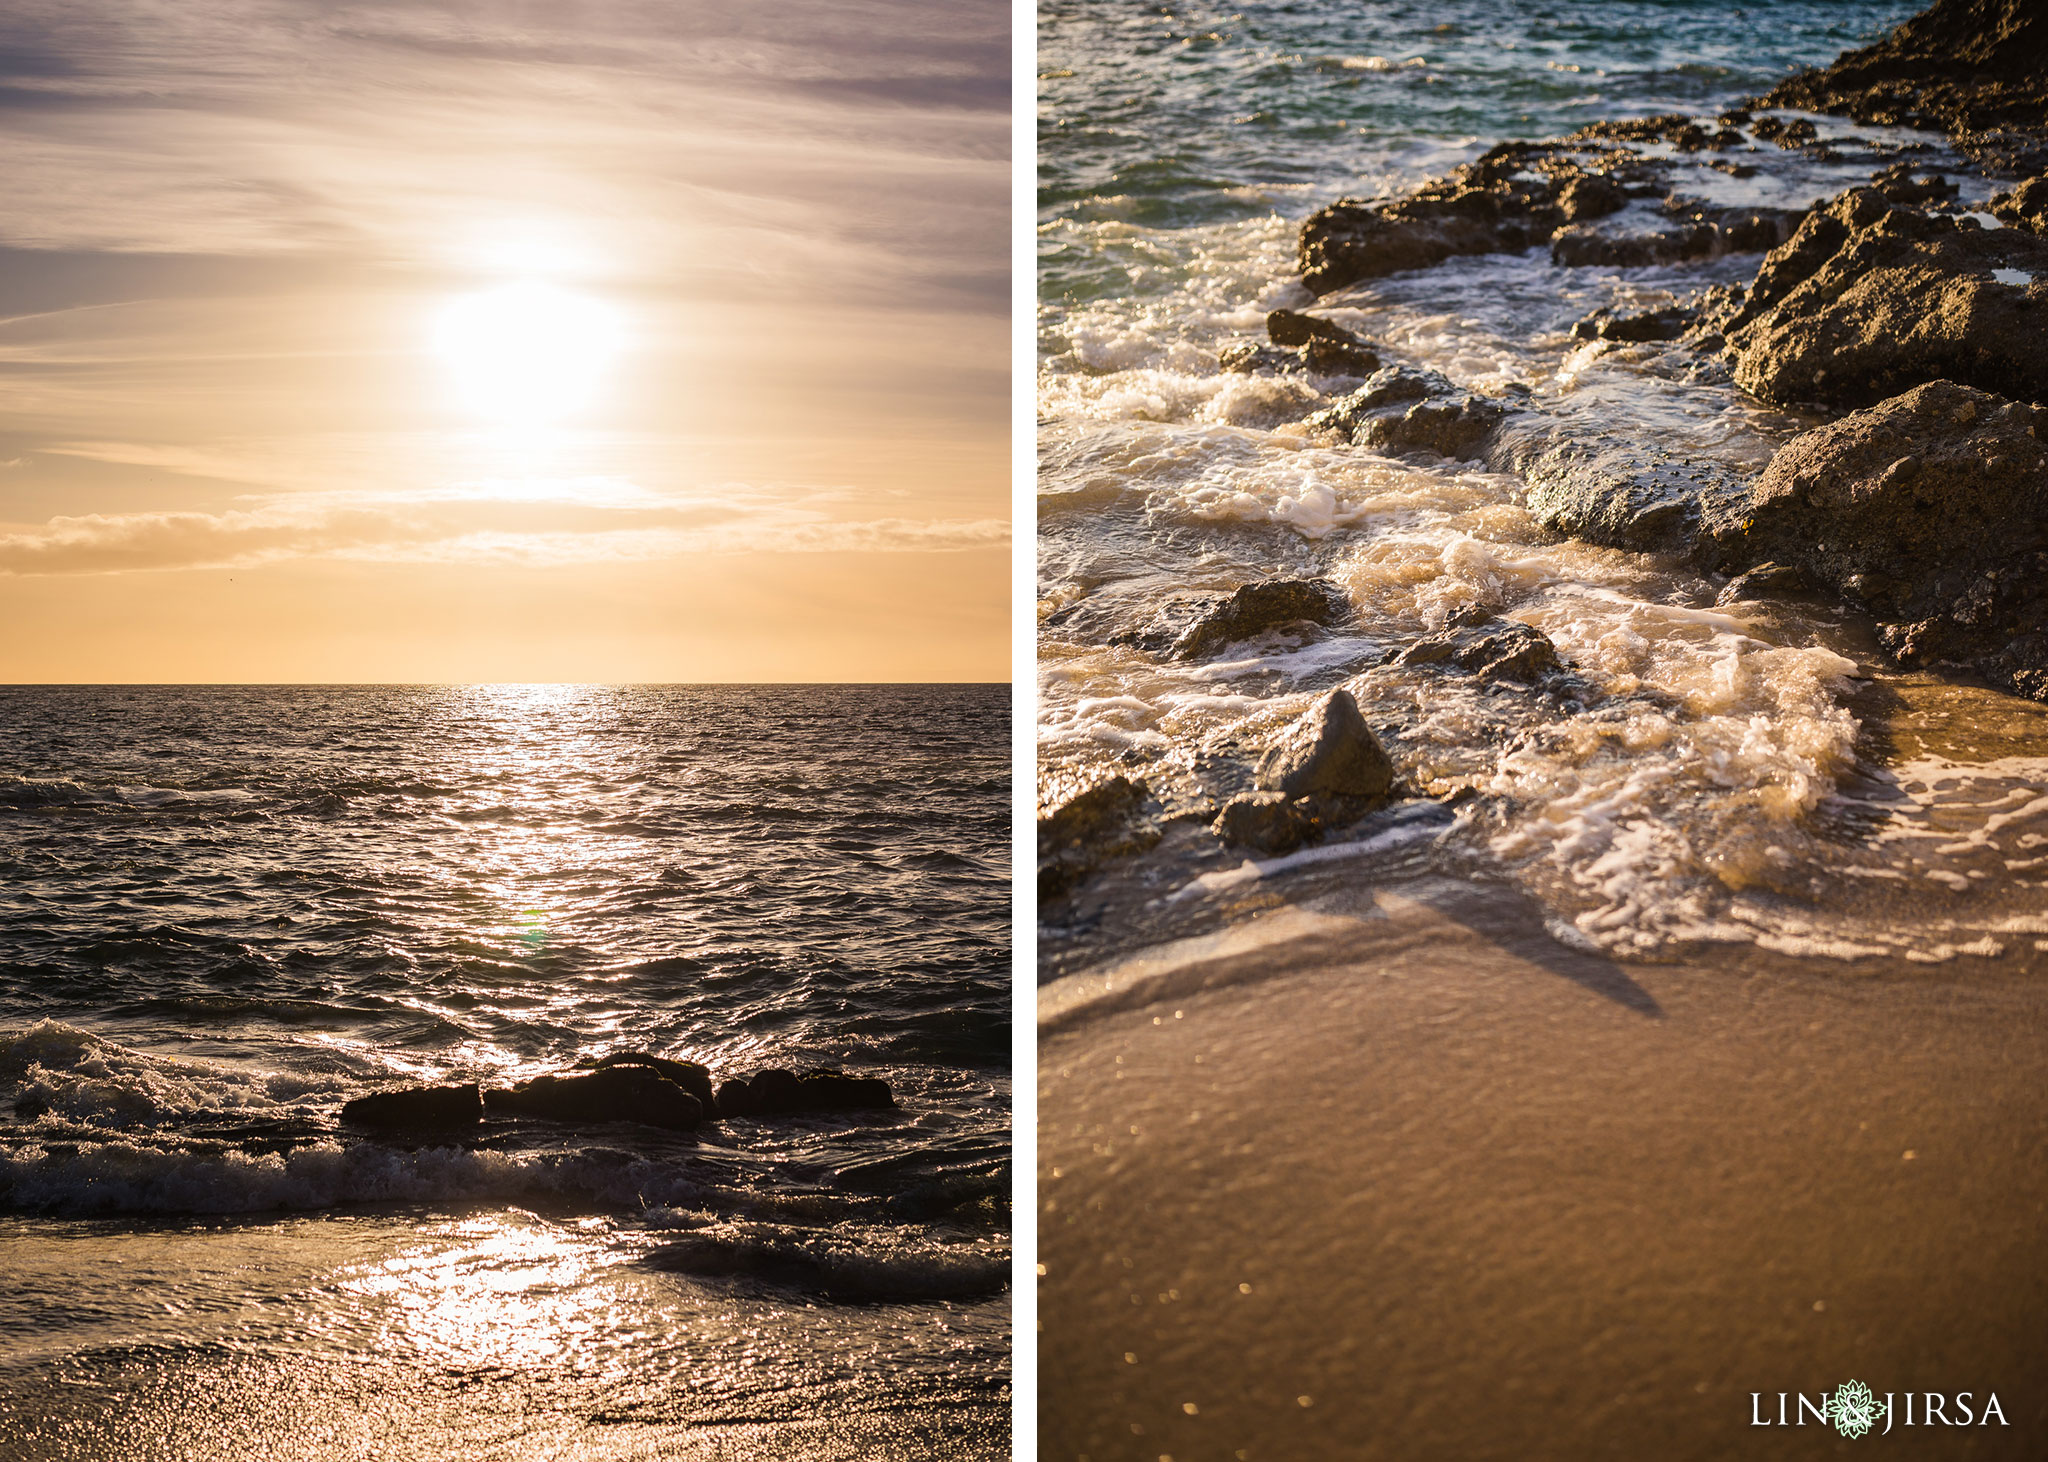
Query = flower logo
x=1854 y=1410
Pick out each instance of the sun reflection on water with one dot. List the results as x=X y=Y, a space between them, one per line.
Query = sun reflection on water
x=502 y=1294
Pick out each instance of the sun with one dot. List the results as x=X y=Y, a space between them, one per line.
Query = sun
x=528 y=351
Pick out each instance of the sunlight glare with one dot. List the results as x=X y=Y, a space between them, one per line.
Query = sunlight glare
x=527 y=351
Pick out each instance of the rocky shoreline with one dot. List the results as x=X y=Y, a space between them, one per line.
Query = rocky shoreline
x=1906 y=320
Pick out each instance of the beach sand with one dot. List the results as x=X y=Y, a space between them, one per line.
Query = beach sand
x=1391 y=1173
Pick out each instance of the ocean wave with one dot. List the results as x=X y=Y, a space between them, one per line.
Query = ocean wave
x=133 y=1177
x=61 y=1076
x=28 y=794
x=836 y=1268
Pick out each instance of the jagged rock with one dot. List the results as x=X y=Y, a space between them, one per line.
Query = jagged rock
x=1633 y=241
x=1573 y=193
x=1964 y=66
x=1931 y=510
x=1681 y=131
x=2024 y=207
x=1634 y=327
x=1267 y=822
x=1393 y=386
x=1515 y=195
x=1301 y=343
x=689 y=1075
x=776 y=1092
x=1604 y=491
x=619 y=1094
x=1252 y=609
x=1401 y=409
x=1097 y=824
x=1765 y=581
x=1457 y=428
x=1901 y=183
x=1489 y=648
x=1590 y=196
x=417 y=1108
x=1318 y=357
x=826 y=1090
x=1252 y=359
x=1607 y=491
x=1796 y=133
x=1328 y=751
x=1338 y=358
x=1187 y=626
x=1292 y=328
x=1867 y=300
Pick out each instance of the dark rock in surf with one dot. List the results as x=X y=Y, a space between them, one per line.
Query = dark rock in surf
x=1266 y=822
x=1258 y=360
x=1634 y=327
x=1099 y=823
x=1291 y=328
x=1681 y=131
x=1931 y=511
x=1610 y=491
x=1324 y=769
x=1401 y=409
x=1253 y=609
x=776 y=1092
x=691 y=1076
x=1338 y=358
x=772 y=1092
x=1514 y=196
x=1488 y=648
x=732 y=1098
x=1317 y=358
x=1607 y=491
x=1903 y=183
x=417 y=1109
x=825 y=1089
x=1328 y=751
x=618 y=1094
x=1575 y=194
x=1302 y=344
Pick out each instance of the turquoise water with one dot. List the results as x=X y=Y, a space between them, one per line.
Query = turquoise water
x=1167 y=117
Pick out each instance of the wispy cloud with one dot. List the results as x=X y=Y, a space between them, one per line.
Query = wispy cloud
x=479 y=523
x=858 y=146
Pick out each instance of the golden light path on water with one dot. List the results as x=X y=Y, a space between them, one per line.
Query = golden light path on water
x=486 y=1292
x=517 y=897
x=482 y=883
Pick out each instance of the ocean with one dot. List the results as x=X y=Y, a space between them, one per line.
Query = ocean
x=225 y=911
x=1754 y=779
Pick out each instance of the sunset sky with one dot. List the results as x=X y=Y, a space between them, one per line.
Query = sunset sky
x=503 y=341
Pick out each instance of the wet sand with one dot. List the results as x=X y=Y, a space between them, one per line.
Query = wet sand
x=1394 y=1174
x=504 y=1335
x=256 y=1412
